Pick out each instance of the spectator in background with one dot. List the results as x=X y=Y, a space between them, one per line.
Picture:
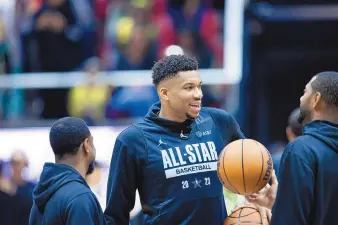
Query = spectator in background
x=152 y=27
x=4 y=60
x=23 y=199
x=192 y=45
x=60 y=40
x=139 y=53
x=293 y=130
x=164 y=25
x=4 y=68
x=19 y=164
x=88 y=99
x=204 y=23
x=6 y=199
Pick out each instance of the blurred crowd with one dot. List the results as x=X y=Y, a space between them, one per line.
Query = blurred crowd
x=101 y=35
x=15 y=191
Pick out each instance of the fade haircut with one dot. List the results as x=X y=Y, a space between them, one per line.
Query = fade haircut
x=170 y=66
x=326 y=83
x=293 y=123
x=67 y=134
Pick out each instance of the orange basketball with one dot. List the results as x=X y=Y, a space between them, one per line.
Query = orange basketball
x=244 y=166
x=247 y=215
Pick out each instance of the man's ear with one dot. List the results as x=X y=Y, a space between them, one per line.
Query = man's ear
x=163 y=93
x=86 y=146
x=316 y=99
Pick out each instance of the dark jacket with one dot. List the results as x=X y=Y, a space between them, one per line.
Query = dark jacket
x=308 y=183
x=62 y=196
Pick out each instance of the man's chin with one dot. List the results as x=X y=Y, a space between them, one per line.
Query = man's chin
x=304 y=117
x=192 y=115
x=90 y=169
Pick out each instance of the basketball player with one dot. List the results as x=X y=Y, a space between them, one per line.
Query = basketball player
x=171 y=155
x=308 y=184
x=62 y=195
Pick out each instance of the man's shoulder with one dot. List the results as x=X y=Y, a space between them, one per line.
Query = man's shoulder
x=302 y=148
x=76 y=194
x=300 y=144
x=72 y=190
x=216 y=114
x=130 y=133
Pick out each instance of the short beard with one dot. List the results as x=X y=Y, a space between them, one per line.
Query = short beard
x=304 y=116
x=91 y=168
x=188 y=116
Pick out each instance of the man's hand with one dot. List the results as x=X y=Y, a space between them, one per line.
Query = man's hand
x=265 y=214
x=267 y=196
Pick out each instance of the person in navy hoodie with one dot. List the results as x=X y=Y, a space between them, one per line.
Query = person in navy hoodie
x=171 y=155
x=62 y=195
x=308 y=183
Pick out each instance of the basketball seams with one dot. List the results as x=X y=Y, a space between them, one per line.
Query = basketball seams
x=225 y=174
x=260 y=176
x=218 y=166
x=243 y=166
x=242 y=216
x=238 y=218
x=230 y=159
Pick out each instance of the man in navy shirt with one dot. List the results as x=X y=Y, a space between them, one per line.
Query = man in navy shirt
x=308 y=183
x=62 y=195
x=171 y=155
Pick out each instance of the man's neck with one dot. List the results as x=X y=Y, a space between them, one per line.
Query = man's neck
x=72 y=163
x=164 y=115
x=329 y=116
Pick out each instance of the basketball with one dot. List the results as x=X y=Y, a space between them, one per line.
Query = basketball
x=247 y=215
x=244 y=166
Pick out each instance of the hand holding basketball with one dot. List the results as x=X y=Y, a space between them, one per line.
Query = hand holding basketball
x=265 y=197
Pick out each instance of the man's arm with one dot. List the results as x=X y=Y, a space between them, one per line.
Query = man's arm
x=124 y=176
x=85 y=210
x=227 y=124
x=294 y=199
x=234 y=128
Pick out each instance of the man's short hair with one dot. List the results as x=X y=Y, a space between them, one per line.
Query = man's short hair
x=326 y=83
x=293 y=123
x=170 y=66
x=67 y=134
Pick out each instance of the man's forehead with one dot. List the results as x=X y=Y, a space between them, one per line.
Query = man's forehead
x=188 y=76
x=181 y=78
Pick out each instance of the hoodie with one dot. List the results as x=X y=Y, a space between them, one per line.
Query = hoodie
x=173 y=165
x=62 y=196
x=308 y=183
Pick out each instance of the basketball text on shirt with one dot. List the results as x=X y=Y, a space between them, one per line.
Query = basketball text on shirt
x=192 y=158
